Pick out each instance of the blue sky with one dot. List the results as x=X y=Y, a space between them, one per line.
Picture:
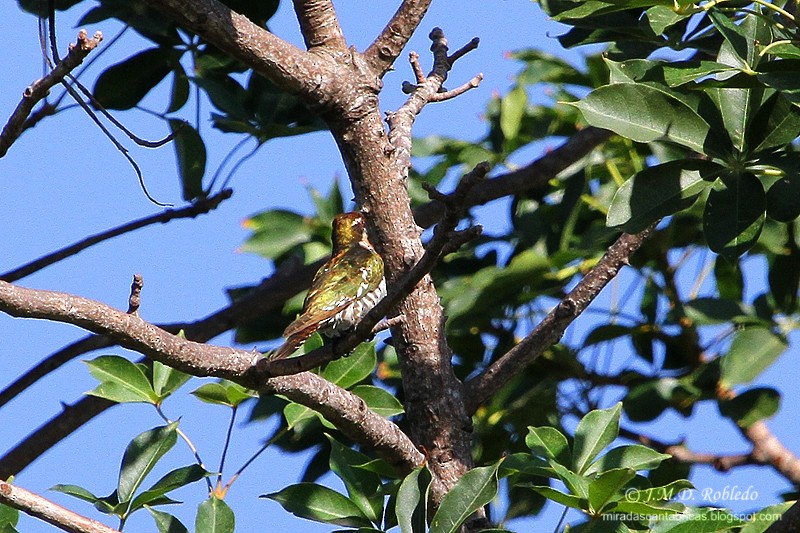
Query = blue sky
x=64 y=180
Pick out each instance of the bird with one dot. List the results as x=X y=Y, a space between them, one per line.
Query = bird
x=343 y=290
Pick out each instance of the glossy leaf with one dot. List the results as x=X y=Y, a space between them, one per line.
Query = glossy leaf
x=319 y=503
x=656 y=494
x=76 y=492
x=214 y=516
x=705 y=311
x=167 y=380
x=569 y=500
x=190 y=152
x=596 y=431
x=276 y=232
x=122 y=86
x=412 y=501
x=166 y=523
x=605 y=487
x=362 y=485
x=173 y=480
x=475 y=489
x=776 y=124
x=141 y=456
x=379 y=400
x=659 y=191
x=645 y=114
x=8 y=516
x=549 y=443
x=751 y=406
x=512 y=109
x=223 y=393
x=120 y=380
x=349 y=370
x=633 y=456
x=782 y=204
x=752 y=351
x=734 y=215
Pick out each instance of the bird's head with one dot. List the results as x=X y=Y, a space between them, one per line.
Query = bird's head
x=348 y=230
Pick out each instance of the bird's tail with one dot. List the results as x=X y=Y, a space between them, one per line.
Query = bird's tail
x=293 y=342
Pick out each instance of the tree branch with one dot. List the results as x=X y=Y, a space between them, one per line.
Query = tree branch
x=39 y=89
x=207 y=360
x=548 y=332
x=387 y=46
x=200 y=207
x=282 y=63
x=36 y=506
x=319 y=24
x=530 y=179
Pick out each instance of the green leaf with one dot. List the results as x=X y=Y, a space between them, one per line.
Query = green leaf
x=362 y=485
x=171 y=481
x=576 y=483
x=120 y=380
x=190 y=152
x=776 y=124
x=656 y=494
x=734 y=214
x=8 y=516
x=645 y=114
x=379 y=400
x=166 y=523
x=766 y=517
x=412 y=501
x=736 y=109
x=141 y=456
x=123 y=85
x=181 y=89
x=296 y=413
x=659 y=191
x=751 y=406
x=214 y=516
x=223 y=393
x=167 y=380
x=570 y=500
x=752 y=351
x=595 y=431
x=549 y=443
x=76 y=492
x=606 y=332
x=475 y=489
x=607 y=485
x=319 y=503
x=634 y=456
x=353 y=368
x=276 y=232
x=707 y=311
x=512 y=109
x=782 y=204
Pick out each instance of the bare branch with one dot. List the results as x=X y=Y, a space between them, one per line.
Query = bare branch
x=767 y=449
x=530 y=179
x=207 y=360
x=319 y=24
x=39 y=89
x=285 y=65
x=38 y=507
x=385 y=49
x=458 y=91
x=548 y=332
x=200 y=207
x=135 y=299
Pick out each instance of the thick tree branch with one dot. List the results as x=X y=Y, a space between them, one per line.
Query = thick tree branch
x=282 y=63
x=207 y=360
x=385 y=49
x=44 y=509
x=480 y=388
x=200 y=207
x=39 y=89
x=530 y=179
x=319 y=24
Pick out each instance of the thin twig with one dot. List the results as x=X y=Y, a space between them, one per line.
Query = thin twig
x=482 y=387
x=39 y=89
x=52 y=513
x=200 y=207
x=458 y=91
x=135 y=299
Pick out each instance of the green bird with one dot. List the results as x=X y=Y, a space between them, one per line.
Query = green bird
x=343 y=290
